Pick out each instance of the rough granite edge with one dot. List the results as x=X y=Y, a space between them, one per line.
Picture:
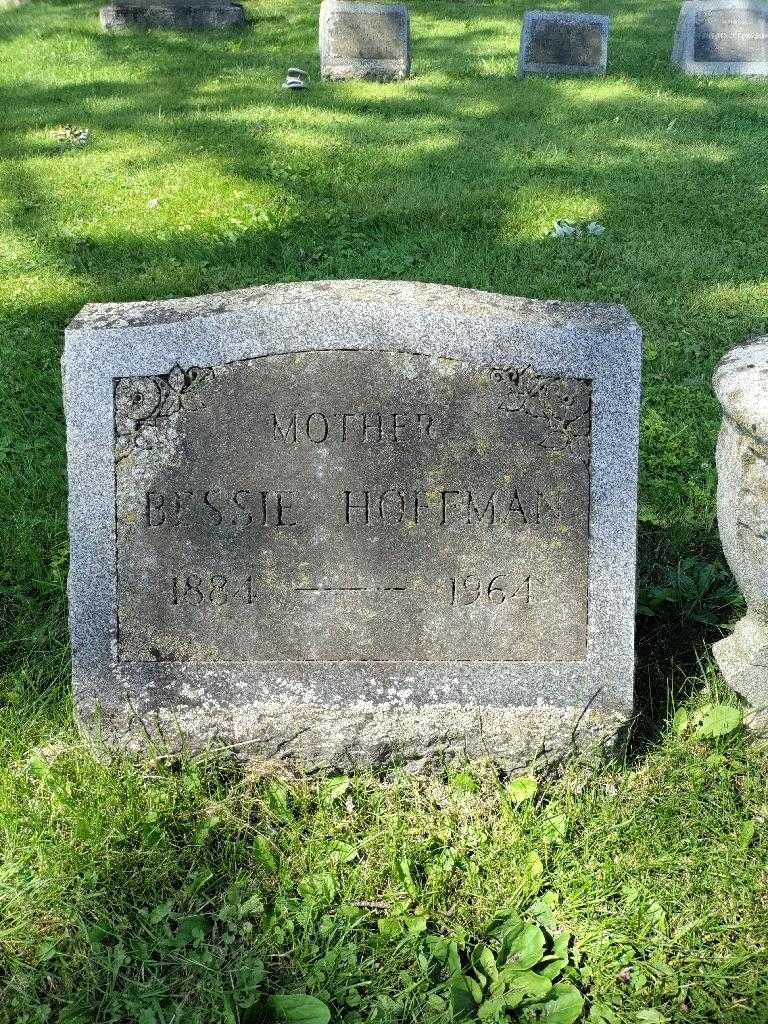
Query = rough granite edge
x=597 y=317
x=740 y=383
x=746 y=679
x=369 y=71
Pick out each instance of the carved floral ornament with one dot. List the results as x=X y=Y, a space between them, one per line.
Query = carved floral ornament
x=562 y=404
x=145 y=402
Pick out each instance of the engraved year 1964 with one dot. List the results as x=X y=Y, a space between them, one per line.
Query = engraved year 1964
x=498 y=590
x=199 y=589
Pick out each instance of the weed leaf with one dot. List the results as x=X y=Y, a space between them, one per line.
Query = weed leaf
x=263 y=854
x=680 y=721
x=552 y=968
x=403 y=872
x=717 y=720
x=530 y=985
x=746 y=834
x=463 y=1004
x=277 y=800
x=445 y=951
x=563 y=1007
x=526 y=948
x=555 y=827
x=299 y=1009
x=534 y=865
x=484 y=960
x=320 y=886
x=521 y=789
x=465 y=782
x=491 y=1009
x=334 y=789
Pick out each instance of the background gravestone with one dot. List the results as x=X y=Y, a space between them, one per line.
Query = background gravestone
x=207 y=14
x=351 y=522
x=722 y=37
x=364 y=40
x=559 y=43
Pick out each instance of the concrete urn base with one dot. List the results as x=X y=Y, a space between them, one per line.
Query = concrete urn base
x=741 y=386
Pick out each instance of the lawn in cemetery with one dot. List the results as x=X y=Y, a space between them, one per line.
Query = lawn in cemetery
x=173 y=890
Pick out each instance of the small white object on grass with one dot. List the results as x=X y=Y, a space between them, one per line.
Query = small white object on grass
x=153 y=204
x=296 y=79
x=74 y=136
x=575 y=229
x=565 y=229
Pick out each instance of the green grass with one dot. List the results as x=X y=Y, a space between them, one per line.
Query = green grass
x=156 y=891
x=152 y=891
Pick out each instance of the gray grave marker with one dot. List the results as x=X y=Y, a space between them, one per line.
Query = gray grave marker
x=205 y=14
x=559 y=43
x=351 y=522
x=364 y=40
x=722 y=37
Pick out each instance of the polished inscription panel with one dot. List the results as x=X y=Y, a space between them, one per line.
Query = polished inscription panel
x=352 y=506
x=731 y=34
x=565 y=42
x=367 y=35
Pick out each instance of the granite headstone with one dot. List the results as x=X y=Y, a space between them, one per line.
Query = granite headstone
x=561 y=43
x=364 y=40
x=190 y=14
x=722 y=37
x=345 y=523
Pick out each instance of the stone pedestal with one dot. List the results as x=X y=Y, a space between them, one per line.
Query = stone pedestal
x=741 y=386
x=170 y=14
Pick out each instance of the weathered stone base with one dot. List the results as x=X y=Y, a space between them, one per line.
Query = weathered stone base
x=317 y=739
x=369 y=70
x=748 y=677
x=118 y=17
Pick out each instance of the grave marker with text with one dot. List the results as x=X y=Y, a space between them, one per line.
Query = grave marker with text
x=353 y=520
x=177 y=14
x=561 y=43
x=364 y=40
x=722 y=37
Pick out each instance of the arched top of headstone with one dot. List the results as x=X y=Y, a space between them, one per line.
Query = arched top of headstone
x=394 y=301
